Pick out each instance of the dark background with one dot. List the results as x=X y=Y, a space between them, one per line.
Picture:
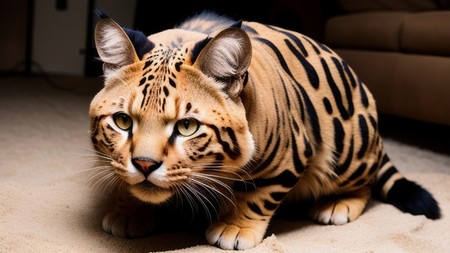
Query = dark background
x=18 y=24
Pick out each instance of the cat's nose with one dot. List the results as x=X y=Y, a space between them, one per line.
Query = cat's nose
x=145 y=165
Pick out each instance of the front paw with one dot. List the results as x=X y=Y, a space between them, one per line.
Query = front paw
x=129 y=226
x=231 y=237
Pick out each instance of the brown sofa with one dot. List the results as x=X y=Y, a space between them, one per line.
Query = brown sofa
x=401 y=50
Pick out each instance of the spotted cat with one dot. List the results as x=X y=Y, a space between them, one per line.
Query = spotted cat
x=243 y=116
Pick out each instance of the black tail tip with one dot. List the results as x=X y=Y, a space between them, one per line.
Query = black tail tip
x=412 y=198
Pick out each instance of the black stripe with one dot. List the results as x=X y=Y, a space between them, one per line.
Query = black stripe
x=327 y=105
x=248 y=29
x=349 y=73
x=384 y=160
x=364 y=99
x=324 y=47
x=383 y=179
x=278 y=196
x=255 y=208
x=373 y=122
x=339 y=135
x=286 y=179
x=144 y=92
x=313 y=118
x=278 y=53
x=308 y=149
x=342 y=168
x=286 y=94
x=348 y=91
x=294 y=38
x=269 y=205
x=364 y=131
x=336 y=92
x=309 y=69
x=313 y=46
x=232 y=153
x=299 y=99
x=203 y=148
x=358 y=172
x=360 y=182
x=234 y=141
x=271 y=156
x=95 y=124
x=373 y=168
x=299 y=166
x=295 y=125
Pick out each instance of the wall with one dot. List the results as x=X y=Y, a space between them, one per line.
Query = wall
x=59 y=36
x=13 y=19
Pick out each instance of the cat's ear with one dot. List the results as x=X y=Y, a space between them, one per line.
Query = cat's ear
x=226 y=58
x=113 y=45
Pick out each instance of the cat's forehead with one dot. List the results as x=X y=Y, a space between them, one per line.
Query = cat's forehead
x=160 y=85
x=159 y=78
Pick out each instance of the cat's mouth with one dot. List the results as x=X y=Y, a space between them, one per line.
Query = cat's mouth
x=149 y=192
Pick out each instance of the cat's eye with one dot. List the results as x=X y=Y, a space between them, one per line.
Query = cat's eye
x=123 y=121
x=187 y=126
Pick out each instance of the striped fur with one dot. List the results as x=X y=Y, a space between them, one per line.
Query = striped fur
x=241 y=116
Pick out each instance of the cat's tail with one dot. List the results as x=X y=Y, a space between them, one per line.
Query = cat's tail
x=392 y=187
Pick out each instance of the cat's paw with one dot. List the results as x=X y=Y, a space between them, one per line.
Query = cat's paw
x=338 y=211
x=231 y=237
x=123 y=225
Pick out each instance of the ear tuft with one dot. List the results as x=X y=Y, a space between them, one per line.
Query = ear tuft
x=226 y=58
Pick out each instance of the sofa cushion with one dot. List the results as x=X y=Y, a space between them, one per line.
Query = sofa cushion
x=426 y=33
x=408 y=32
x=371 y=30
x=406 y=85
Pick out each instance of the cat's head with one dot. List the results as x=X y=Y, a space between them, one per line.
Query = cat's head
x=170 y=117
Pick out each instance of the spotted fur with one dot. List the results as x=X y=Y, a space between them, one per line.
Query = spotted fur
x=243 y=116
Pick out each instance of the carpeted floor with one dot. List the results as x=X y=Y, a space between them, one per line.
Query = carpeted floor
x=47 y=206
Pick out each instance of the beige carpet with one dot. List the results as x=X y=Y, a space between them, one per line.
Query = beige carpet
x=47 y=206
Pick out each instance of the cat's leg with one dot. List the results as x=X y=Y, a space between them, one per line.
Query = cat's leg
x=242 y=225
x=129 y=218
x=341 y=209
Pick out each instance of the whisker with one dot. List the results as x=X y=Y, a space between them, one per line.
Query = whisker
x=218 y=182
x=184 y=192
x=239 y=177
x=200 y=198
x=105 y=183
x=220 y=169
x=89 y=172
x=93 y=152
x=208 y=188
